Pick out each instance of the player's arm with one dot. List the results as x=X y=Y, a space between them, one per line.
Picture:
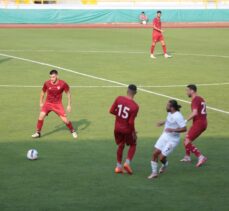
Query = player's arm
x=42 y=96
x=177 y=130
x=113 y=109
x=68 y=93
x=132 y=123
x=193 y=114
x=161 y=123
x=157 y=29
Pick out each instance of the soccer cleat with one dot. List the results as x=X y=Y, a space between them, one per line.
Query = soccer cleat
x=152 y=56
x=186 y=159
x=128 y=168
x=201 y=161
x=36 y=135
x=74 y=134
x=167 y=56
x=153 y=176
x=118 y=170
x=163 y=167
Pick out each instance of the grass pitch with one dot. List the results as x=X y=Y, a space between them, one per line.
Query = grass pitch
x=78 y=175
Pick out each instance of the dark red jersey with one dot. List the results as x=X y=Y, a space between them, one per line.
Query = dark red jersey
x=55 y=91
x=199 y=104
x=125 y=110
x=157 y=23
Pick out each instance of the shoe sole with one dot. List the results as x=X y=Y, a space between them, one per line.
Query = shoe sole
x=202 y=163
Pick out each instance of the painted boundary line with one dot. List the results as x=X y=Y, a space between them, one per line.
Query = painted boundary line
x=106 y=80
x=102 y=86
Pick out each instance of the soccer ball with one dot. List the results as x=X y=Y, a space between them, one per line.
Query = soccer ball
x=32 y=154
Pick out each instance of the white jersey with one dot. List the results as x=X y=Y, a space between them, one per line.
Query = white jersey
x=174 y=121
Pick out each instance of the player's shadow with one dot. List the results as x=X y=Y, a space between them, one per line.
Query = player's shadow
x=5 y=60
x=79 y=126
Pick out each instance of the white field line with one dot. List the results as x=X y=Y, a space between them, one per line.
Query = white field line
x=110 y=52
x=104 y=79
x=112 y=86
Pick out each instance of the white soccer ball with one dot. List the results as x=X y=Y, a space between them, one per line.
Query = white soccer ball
x=144 y=22
x=32 y=154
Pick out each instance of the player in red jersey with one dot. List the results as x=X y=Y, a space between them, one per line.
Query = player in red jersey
x=54 y=89
x=199 y=117
x=125 y=109
x=158 y=36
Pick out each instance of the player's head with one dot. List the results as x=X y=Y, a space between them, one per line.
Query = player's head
x=132 y=90
x=191 y=90
x=173 y=106
x=143 y=13
x=159 y=13
x=53 y=75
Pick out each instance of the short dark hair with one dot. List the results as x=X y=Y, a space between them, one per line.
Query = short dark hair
x=53 y=72
x=175 y=105
x=192 y=87
x=132 y=88
x=159 y=11
x=143 y=12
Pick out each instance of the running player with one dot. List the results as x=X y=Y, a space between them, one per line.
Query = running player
x=125 y=110
x=54 y=89
x=170 y=138
x=158 y=36
x=199 y=117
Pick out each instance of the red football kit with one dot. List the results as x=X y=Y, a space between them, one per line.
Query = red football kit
x=53 y=100
x=200 y=121
x=157 y=35
x=125 y=110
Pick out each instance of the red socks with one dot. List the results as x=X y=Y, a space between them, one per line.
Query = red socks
x=39 y=125
x=131 y=152
x=152 y=49
x=120 y=152
x=70 y=127
x=191 y=148
x=164 y=49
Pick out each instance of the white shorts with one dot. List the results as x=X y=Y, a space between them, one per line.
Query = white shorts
x=166 y=144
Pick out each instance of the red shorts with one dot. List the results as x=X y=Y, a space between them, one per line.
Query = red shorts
x=127 y=139
x=57 y=108
x=158 y=37
x=196 y=130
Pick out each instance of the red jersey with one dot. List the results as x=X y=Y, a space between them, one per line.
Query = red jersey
x=157 y=23
x=125 y=110
x=199 y=104
x=55 y=91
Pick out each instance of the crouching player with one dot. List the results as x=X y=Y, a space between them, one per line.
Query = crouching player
x=125 y=109
x=170 y=138
x=54 y=89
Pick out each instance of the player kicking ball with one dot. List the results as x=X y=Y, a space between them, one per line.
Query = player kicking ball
x=125 y=110
x=170 y=138
x=199 y=117
x=54 y=89
x=158 y=36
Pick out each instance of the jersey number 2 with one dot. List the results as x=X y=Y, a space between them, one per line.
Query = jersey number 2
x=123 y=111
x=203 y=110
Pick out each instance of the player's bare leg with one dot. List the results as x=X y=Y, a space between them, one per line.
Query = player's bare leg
x=187 y=157
x=40 y=122
x=164 y=162
x=130 y=156
x=152 y=50
x=154 y=164
x=69 y=126
x=120 y=149
x=164 y=49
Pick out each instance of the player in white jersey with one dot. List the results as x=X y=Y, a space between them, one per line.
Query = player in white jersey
x=170 y=138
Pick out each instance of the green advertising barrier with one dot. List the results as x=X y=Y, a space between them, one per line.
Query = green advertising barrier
x=70 y=16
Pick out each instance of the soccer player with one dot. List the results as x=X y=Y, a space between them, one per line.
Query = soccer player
x=170 y=138
x=199 y=117
x=54 y=89
x=125 y=109
x=158 y=36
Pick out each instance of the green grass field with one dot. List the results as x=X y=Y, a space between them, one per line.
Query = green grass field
x=78 y=175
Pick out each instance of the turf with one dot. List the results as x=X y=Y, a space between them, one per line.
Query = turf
x=78 y=175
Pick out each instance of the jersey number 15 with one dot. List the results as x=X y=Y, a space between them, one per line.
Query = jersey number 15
x=123 y=111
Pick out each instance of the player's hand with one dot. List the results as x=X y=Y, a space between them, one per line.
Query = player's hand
x=169 y=130
x=41 y=105
x=69 y=108
x=159 y=124
x=162 y=31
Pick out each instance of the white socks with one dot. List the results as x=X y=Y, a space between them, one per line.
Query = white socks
x=128 y=161
x=154 y=166
x=119 y=165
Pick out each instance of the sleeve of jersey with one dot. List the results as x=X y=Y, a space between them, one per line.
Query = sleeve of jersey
x=154 y=22
x=44 y=89
x=195 y=104
x=181 y=121
x=113 y=109
x=66 y=87
x=132 y=118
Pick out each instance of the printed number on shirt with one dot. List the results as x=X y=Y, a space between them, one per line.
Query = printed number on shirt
x=203 y=111
x=123 y=111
